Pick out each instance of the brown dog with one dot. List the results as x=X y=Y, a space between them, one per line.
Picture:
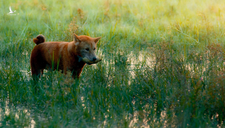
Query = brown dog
x=63 y=56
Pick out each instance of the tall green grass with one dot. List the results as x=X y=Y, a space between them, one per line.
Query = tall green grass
x=163 y=64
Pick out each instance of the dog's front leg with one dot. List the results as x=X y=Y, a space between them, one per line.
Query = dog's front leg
x=64 y=70
x=75 y=75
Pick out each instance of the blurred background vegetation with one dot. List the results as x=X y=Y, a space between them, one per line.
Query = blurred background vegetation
x=163 y=64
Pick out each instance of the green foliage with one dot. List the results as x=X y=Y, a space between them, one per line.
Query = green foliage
x=163 y=64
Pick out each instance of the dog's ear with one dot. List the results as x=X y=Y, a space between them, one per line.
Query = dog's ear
x=97 y=39
x=76 y=39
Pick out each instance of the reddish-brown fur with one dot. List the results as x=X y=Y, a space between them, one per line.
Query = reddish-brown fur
x=62 y=55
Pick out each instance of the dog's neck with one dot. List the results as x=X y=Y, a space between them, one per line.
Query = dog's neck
x=77 y=58
x=71 y=47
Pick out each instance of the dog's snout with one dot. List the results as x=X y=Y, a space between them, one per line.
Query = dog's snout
x=94 y=59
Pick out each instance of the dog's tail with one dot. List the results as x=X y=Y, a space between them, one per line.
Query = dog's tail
x=39 y=39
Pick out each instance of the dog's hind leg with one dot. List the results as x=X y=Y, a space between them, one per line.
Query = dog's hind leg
x=36 y=73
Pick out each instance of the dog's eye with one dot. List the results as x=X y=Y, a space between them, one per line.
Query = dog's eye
x=87 y=49
x=94 y=48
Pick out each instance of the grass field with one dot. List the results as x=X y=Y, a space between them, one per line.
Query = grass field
x=163 y=64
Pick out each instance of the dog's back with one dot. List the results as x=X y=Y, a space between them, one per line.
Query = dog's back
x=47 y=55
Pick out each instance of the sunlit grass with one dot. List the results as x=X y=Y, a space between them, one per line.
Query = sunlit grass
x=163 y=64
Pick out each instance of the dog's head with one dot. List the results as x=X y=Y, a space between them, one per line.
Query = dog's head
x=86 y=47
